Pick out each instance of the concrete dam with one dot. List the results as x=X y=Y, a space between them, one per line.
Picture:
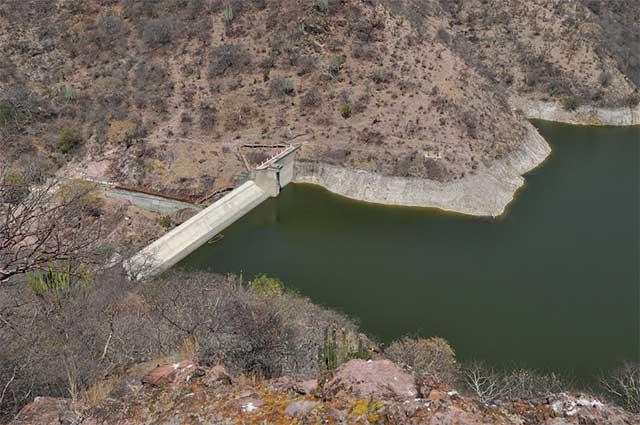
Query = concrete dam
x=267 y=179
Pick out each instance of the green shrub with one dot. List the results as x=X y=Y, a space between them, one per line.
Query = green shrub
x=335 y=65
x=379 y=75
x=7 y=114
x=345 y=110
x=56 y=282
x=227 y=15
x=68 y=139
x=84 y=194
x=570 y=103
x=69 y=94
x=165 y=221
x=266 y=286
x=322 y=5
x=281 y=87
x=432 y=358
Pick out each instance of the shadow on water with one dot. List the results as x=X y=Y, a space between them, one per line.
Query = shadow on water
x=552 y=285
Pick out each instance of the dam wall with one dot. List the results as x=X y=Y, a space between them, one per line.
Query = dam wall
x=186 y=238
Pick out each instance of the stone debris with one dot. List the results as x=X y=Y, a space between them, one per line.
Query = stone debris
x=361 y=391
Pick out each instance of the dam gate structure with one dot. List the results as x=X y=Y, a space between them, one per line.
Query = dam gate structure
x=266 y=180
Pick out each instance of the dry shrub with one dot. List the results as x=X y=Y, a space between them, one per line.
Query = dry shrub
x=237 y=116
x=431 y=358
x=229 y=57
x=52 y=349
x=100 y=390
x=311 y=99
x=624 y=386
x=489 y=384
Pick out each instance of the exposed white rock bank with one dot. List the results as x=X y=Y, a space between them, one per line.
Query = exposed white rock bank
x=486 y=193
x=583 y=115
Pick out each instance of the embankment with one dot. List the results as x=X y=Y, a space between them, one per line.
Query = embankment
x=486 y=193
x=583 y=115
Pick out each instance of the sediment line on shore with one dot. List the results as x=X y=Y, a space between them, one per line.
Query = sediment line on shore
x=485 y=193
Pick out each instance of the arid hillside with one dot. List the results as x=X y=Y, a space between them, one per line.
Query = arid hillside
x=163 y=93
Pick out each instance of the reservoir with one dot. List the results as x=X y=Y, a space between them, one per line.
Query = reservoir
x=552 y=285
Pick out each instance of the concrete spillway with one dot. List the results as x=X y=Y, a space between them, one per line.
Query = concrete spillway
x=186 y=238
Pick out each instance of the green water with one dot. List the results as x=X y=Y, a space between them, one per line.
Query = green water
x=553 y=285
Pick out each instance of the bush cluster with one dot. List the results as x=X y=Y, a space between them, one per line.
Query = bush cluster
x=61 y=342
x=69 y=139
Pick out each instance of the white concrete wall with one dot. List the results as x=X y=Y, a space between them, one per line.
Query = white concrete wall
x=186 y=238
x=286 y=172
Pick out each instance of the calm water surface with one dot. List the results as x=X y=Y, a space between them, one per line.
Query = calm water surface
x=553 y=285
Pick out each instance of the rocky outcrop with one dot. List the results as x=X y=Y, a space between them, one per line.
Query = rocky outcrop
x=362 y=392
x=485 y=193
x=169 y=373
x=373 y=378
x=583 y=115
x=46 y=411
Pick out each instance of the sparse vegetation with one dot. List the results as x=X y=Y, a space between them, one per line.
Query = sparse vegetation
x=281 y=87
x=228 y=58
x=69 y=139
x=431 y=358
x=266 y=286
x=157 y=32
x=322 y=5
x=570 y=103
x=624 y=386
x=311 y=99
x=335 y=65
x=165 y=222
x=227 y=15
x=7 y=114
x=346 y=110
x=379 y=75
x=489 y=384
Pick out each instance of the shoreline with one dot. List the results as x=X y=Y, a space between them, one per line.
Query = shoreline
x=583 y=115
x=485 y=194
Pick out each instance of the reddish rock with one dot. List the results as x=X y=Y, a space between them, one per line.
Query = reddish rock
x=168 y=374
x=217 y=375
x=306 y=387
x=373 y=378
x=435 y=395
x=45 y=411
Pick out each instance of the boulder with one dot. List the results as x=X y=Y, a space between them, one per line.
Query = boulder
x=46 y=411
x=373 y=378
x=169 y=373
x=306 y=387
x=300 y=407
x=217 y=375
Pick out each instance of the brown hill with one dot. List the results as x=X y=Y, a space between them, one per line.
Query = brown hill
x=162 y=94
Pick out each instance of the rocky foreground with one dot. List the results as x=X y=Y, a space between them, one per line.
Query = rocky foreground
x=360 y=392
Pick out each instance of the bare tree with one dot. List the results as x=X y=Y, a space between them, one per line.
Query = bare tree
x=624 y=386
x=47 y=226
